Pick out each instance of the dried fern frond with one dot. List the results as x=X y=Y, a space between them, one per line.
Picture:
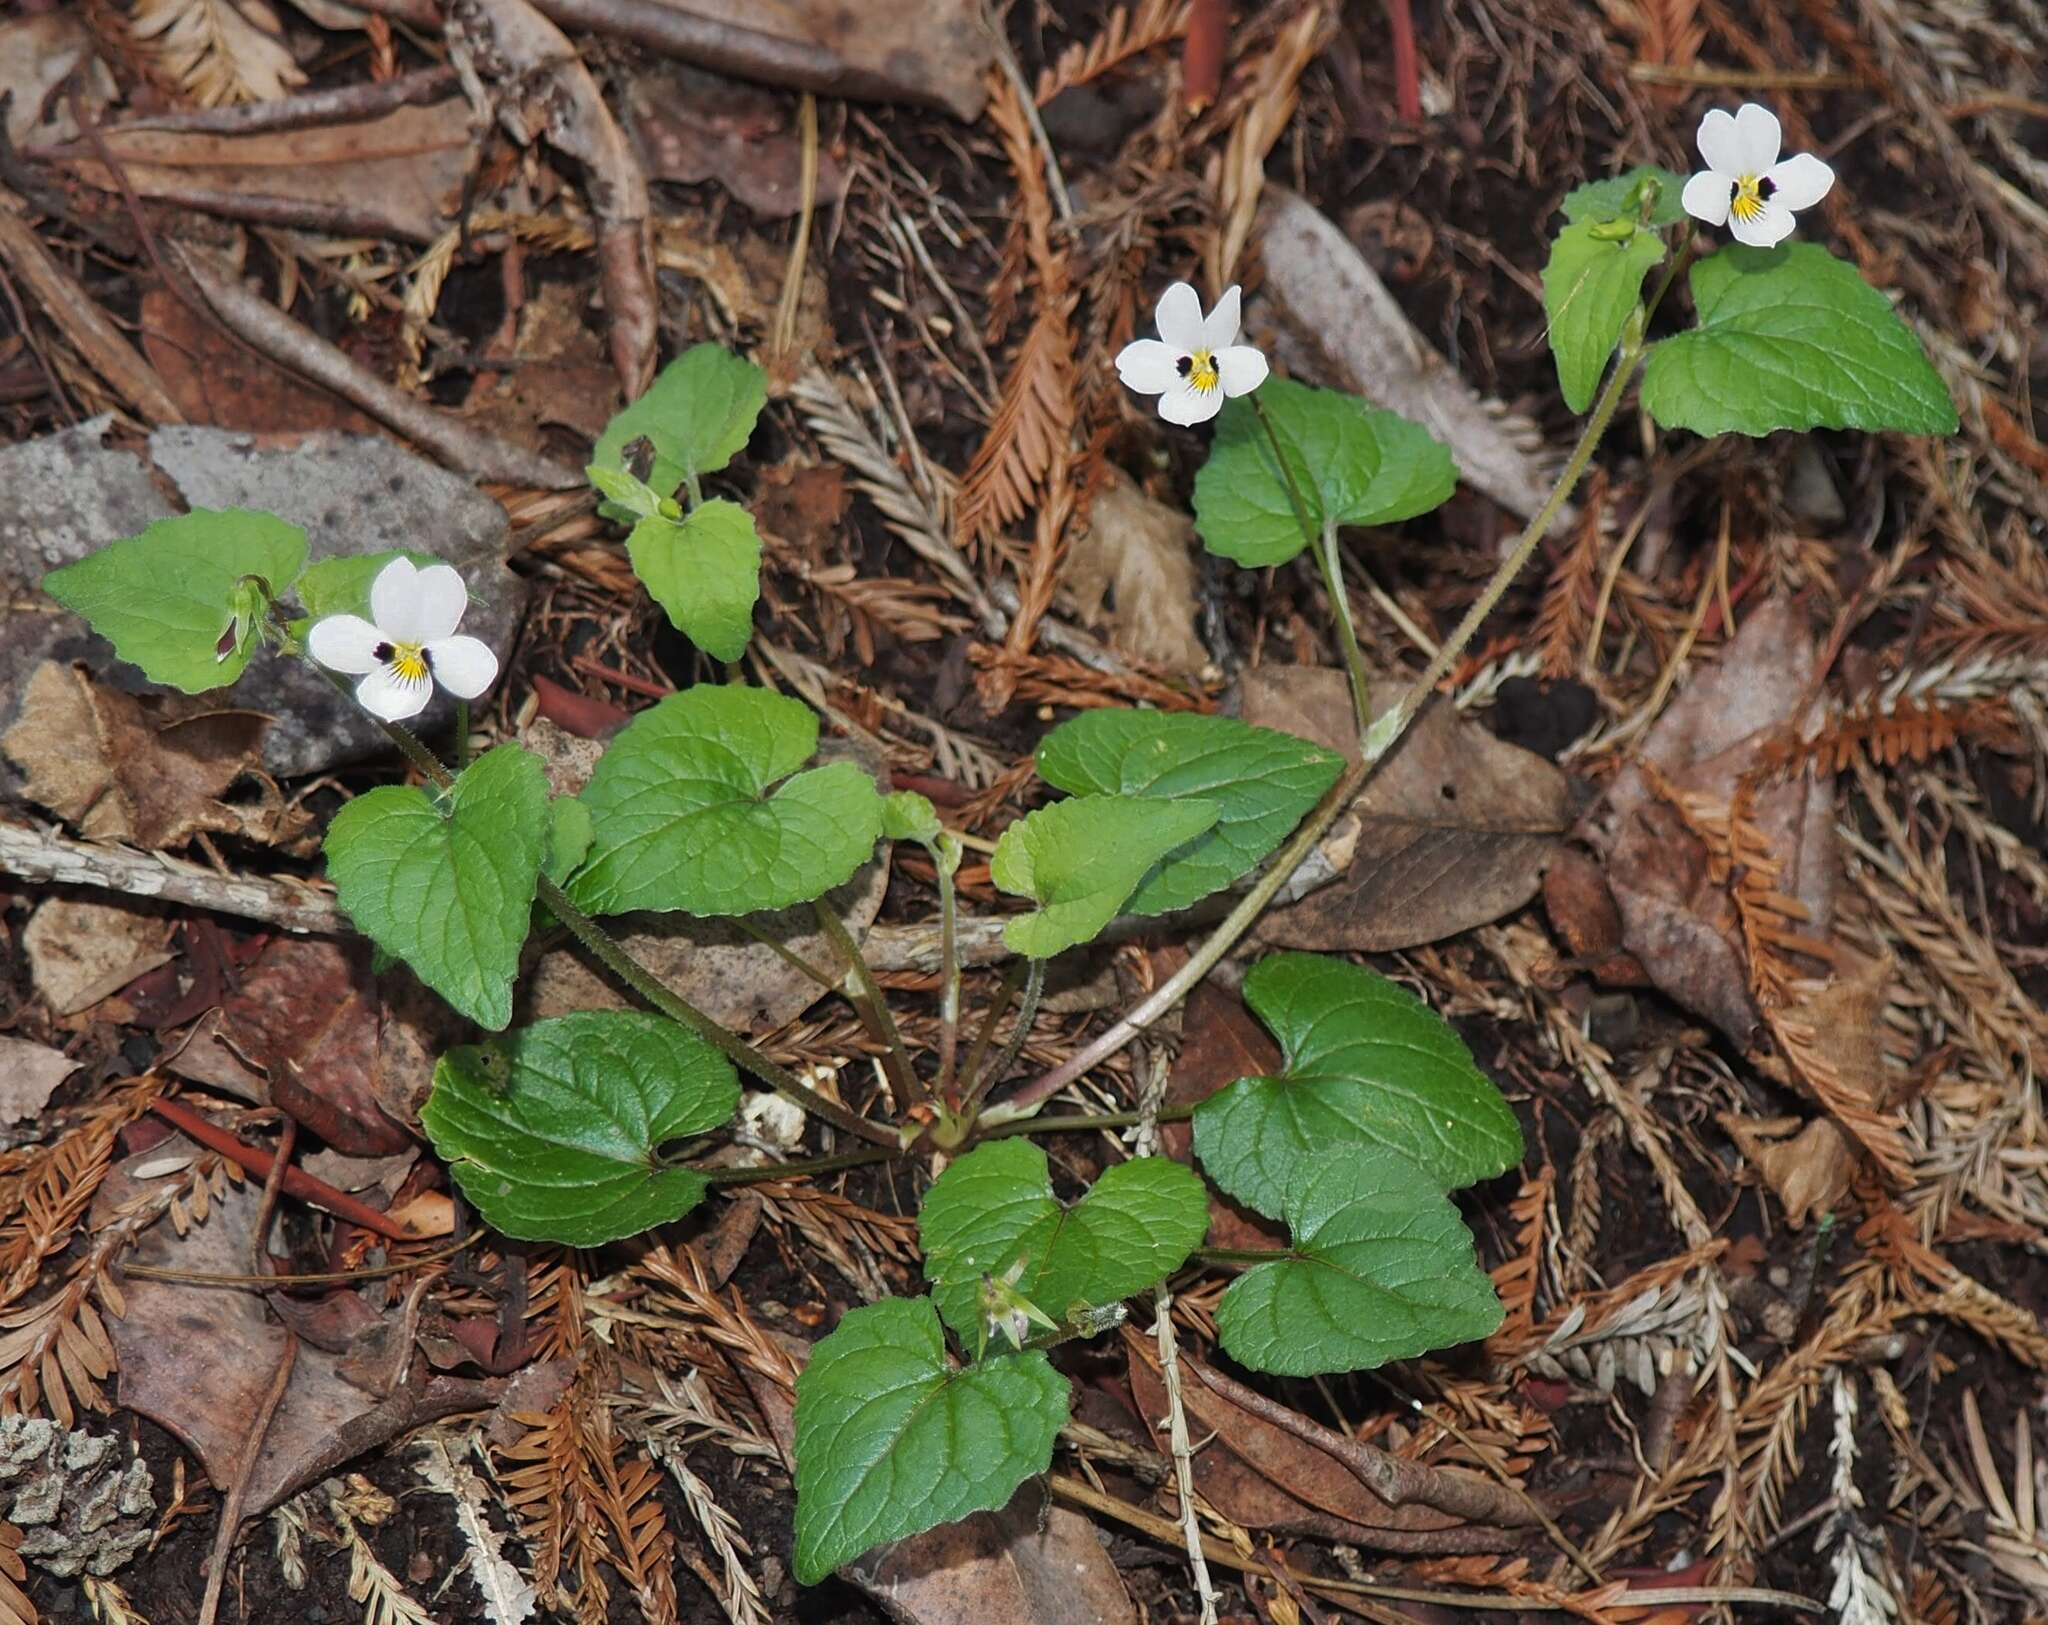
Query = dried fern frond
x=1127 y=32
x=646 y=1547
x=52 y=1195
x=1566 y=613
x=1517 y=1278
x=556 y=1493
x=217 y=52
x=15 y=1606
x=1672 y=33
x=508 y=1598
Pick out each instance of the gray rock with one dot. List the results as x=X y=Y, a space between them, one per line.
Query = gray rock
x=71 y=493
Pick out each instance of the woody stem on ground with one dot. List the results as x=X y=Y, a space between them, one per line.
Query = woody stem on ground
x=645 y=983
x=1378 y=740
x=1322 y=542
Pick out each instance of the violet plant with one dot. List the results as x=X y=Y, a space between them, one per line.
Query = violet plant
x=918 y=1410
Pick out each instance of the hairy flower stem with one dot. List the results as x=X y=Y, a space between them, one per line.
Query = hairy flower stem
x=872 y=1008
x=949 y=995
x=1379 y=740
x=1323 y=544
x=645 y=983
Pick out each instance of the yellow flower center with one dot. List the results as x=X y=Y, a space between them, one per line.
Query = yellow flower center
x=1199 y=370
x=1748 y=195
x=409 y=662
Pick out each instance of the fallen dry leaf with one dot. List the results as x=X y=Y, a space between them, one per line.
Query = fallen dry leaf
x=81 y=951
x=200 y=1361
x=147 y=771
x=1809 y=1167
x=1452 y=832
x=1140 y=554
x=29 y=1075
x=218 y=381
x=1262 y=1476
x=1350 y=331
x=691 y=126
x=392 y=176
x=1677 y=919
x=309 y=1030
x=1832 y=1038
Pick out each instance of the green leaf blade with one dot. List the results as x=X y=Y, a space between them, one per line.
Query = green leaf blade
x=164 y=598
x=555 y=1132
x=698 y=413
x=450 y=893
x=682 y=816
x=1259 y=780
x=704 y=571
x=1382 y=1268
x=891 y=1442
x=1353 y=464
x=1080 y=859
x=995 y=1206
x=1604 y=200
x=1366 y=1064
x=1591 y=286
x=1792 y=338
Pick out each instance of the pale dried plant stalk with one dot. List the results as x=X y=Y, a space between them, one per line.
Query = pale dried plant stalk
x=508 y=1598
x=1861 y=1593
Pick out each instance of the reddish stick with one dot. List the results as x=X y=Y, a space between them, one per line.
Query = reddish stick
x=1407 y=76
x=297 y=1182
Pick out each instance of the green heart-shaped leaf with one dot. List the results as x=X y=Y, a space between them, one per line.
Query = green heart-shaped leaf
x=697 y=413
x=705 y=571
x=1260 y=782
x=1080 y=859
x=995 y=1206
x=1590 y=286
x=1599 y=201
x=1354 y=465
x=447 y=885
x=341 y=586
x=1367 y=1064
x=682 y=818
x=1382 y=1268
x=891 y=1440
x=164 y=599
x=1792 y=338
x=555 y=1132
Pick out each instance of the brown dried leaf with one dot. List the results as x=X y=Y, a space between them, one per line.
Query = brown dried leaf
x=220 y=382
x=147 y=771
x=81 y=951
x=691 y=126
x=388 y=176
x=200 y=1361
x=1263 y=1477
x=1453 y=832
x=1679 y=911
x=1809 y=1166
x=1140 y=554
x=29 y=1075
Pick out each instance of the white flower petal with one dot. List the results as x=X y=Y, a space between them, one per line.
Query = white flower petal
x=439 y=596
x=345 y=643
x=1719 y=144
x=1240 y=368
x=1800 y=181
x=391 y=597
x=463 y=666
x=1758 y=138
x=1179 y=317
x=1149 y=367
x=1219 y=331
x=1768 y=227
x=1186 y=405
x=391 y=697
x=1706 y=197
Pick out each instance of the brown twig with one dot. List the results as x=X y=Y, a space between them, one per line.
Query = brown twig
x=297 y=1182
x=245 y=1468
x=308 y=110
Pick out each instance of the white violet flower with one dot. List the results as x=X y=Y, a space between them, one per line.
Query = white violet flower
x=408 y=644
x=1196 y=362
x=1744 y=187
